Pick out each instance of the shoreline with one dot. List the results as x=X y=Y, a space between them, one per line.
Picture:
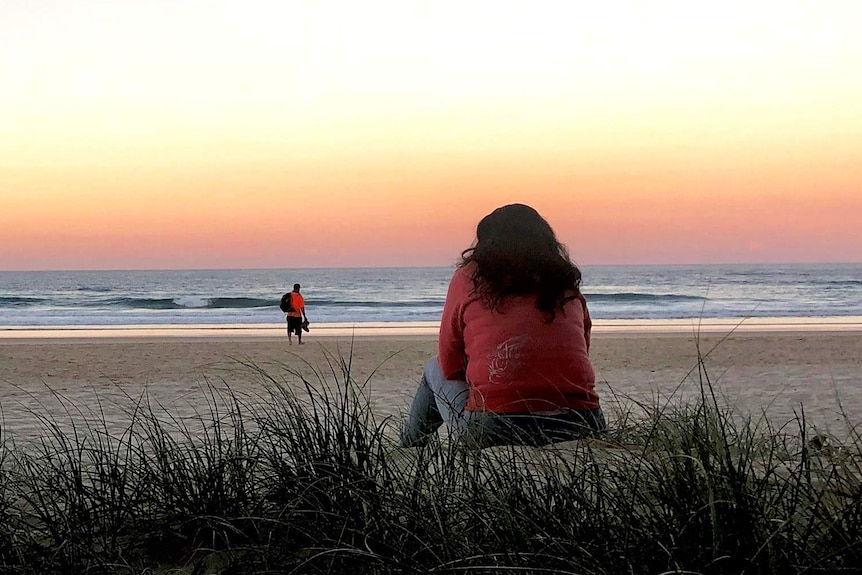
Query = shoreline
x=836 y=324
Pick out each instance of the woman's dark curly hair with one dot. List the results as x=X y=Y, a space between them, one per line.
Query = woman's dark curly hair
x=517 y=253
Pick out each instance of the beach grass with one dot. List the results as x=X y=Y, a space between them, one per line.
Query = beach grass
x=303 y=479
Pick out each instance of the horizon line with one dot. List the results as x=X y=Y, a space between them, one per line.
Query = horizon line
x=362 y=267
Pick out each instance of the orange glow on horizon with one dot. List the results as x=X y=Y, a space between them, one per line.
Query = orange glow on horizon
x=265 y=134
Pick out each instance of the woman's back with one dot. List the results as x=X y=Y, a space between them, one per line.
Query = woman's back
x=513 y=360
x=515 y=357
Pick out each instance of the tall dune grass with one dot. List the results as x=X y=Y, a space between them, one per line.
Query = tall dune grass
x=303 y=479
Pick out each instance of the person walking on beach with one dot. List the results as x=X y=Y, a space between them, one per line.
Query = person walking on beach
x=513 y=362
x=293 y=306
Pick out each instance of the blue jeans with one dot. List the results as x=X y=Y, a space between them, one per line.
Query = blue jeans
x=440 y=400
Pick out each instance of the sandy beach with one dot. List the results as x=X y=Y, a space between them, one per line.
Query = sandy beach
x=773 y=372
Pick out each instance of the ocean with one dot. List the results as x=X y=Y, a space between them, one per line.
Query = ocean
x=72 y=299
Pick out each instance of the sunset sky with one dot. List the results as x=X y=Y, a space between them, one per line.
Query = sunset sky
x=247 y=133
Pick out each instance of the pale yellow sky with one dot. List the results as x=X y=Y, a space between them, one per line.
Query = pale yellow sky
x=383 y=130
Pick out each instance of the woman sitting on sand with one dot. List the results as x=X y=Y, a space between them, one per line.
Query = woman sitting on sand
x=513 y=362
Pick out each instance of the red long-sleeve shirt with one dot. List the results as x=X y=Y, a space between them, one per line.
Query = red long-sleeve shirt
x=513 y=360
